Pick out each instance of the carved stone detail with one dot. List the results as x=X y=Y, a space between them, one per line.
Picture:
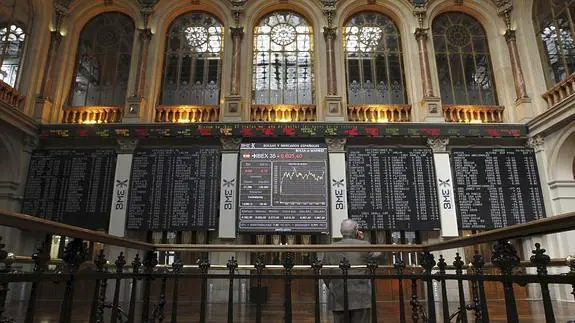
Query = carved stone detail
x=537 y=143
x=30 y=143
x=127 y=145
x=329 y=33
x=438 y=145
x=335 y=144
x=230 y=143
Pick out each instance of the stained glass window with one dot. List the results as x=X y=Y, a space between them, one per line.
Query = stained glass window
x=12 y=40
x=192 y=64
x=103 y=61
x=555 y=22
x=463 y=61
x=282 y=63
x=373 y=60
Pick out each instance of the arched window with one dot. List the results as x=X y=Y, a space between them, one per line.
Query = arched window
x=374 y=60
x=282 y=64
x=555 y=24
x=12 y=39
x=103 y=61
x=463 y=61
x=192 y=65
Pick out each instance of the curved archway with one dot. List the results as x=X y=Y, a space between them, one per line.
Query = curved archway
x=283 y=70
x=374 y=64
x=463 y=60
x=103 y=61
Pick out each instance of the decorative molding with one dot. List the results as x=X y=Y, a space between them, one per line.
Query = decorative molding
x=238 y=7
x=438 y=145
x=231 y=144
x=329 y=7
x=537 y=143
x=420 y=11
x=145 y=34
x=127 y=145
x=30 y=143
x=336 y=144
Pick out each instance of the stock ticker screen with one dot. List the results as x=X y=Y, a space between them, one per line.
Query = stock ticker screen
x=283 y=187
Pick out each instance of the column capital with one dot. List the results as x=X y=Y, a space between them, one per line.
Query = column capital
x=237 y=32
x=510 y=35
x=230 y=143
x=127 y=146
x=145 y=34
x=537 y=143
x=329 y=33
x=421 y=33
x=335 y=144
x=438 y=145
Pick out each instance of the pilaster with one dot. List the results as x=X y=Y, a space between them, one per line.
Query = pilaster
x=337 y=184
x=228 y=187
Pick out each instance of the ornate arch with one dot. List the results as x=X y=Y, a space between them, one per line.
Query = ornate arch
x=563 y=155
x=374 y=63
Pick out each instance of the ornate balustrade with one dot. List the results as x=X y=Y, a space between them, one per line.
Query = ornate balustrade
x=157 y=288
x=473 y=113
x=560 y=91
x=283 y=113
x=379 y=113
x=10 y=96
x=187 y=113
x=92 y=114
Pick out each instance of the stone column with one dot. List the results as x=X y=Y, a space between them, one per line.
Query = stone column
x=431 y=103
x=43 y=107
x=228 y=189
x=234 y=100
x=337 y=183
x=445 y=192
x=333 y=100
x=520 y=91
x=136 y=100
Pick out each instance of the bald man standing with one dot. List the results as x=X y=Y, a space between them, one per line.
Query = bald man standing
x=359 y=290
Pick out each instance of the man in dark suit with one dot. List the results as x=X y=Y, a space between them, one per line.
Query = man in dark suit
x=359 y=290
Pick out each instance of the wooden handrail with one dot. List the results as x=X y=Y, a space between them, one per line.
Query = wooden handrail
x=554 y=224
x=32 y=223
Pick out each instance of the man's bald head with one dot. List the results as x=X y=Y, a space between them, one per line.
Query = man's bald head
x=349 y=228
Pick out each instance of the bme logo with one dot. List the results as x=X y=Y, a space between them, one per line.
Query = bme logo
x=229 y=193
x=445 y=186
x=120 y=195
x=339 y=194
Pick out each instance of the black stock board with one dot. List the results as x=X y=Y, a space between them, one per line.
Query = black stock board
x=496 y=187
x=71 y=186
x=392 y=188
x=174 y=189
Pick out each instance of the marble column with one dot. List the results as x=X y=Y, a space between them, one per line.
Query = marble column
x=233 y=104
x=431 y=103
x=136 y=100
x=333 y=110
x=518 y=79
x=42 y=111
x=337 y=183
x=329 y=35
x=421 y=37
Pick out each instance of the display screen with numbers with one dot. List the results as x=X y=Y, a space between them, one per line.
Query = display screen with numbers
x=283 y=187
x=496 y=187
x=392 y=188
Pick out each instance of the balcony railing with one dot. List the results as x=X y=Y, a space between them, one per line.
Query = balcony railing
x=9 y=96
x=92 y=115
x=160 y=289
x=187 y=113
x=379 y=113
x=560 y=91
x=283 y=113
x=473 y=113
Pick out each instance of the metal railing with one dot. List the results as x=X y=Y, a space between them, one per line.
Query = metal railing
x=415 y=283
